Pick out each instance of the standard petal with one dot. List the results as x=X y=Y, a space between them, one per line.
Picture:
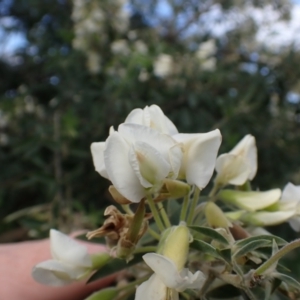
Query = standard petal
x=199 y=158
x=159 y=121
x=97 y=150
x=68 y=251
x=231 y=169
x=135 y=117
x=246 y=148
x=54 y=273
x=164 y=268
x=134 y=132
x=151 y=289
x=119 y=169
x=149 y=165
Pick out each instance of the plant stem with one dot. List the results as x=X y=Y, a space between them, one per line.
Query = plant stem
x=193 y=206
x=164 y=215
x=214 y=190
x=154 y=233
x=127 y=209
x=184 y=207
x=145 y=249
x=155 y=213
x=283 y=251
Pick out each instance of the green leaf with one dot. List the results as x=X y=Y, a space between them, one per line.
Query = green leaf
x=226 y=254
x=114 y=266
x=252 y=246
x=290 y=281
x=278 y=240
x=213 y=234
x=206 y=248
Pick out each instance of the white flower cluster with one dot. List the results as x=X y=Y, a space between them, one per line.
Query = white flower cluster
x=146 y=158
x=89 y=19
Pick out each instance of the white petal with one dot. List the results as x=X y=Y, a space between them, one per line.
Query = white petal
x=246 y=148
x=291 y=193
x=200 y=152
x=119 y=169
x=54 y=273
x=134 y=132
x=149 y=165
x=159 y=121
x=231 y=169
x=295 y=223
x=97 y=150
x=190 y=280
x=164 y=268
x=135 y=117
x=68 y=251
x=175 y=159
x=152 y=289
x=265 y=218
x=251 y=201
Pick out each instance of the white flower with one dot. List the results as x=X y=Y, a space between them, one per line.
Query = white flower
x=120 y=47
x=136 y=159
x=152 y=116
x=166 y=281
x=290 y=201
x=206 y=49
x=200 y=152
x=70 y=262
x=239 y=165
x=163 y=65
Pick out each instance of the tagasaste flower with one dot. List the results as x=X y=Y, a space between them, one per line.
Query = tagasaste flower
x=166 y=281
x=170 y=277
x=136 y=159
x=239 y=165
x=70 y=262
x=152 y=116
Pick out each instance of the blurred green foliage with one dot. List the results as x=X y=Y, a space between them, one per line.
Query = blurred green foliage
x=87 y=64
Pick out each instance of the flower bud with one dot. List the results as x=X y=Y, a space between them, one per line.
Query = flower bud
x=100 y=259
x=176 y=245
x=215 y=216
x=104 y=294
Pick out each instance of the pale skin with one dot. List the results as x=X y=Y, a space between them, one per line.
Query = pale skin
x=16 y=262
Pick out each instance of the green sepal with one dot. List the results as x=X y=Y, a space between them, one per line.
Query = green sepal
x=211 y=233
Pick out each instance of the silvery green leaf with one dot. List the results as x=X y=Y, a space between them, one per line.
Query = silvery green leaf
x=278 y=240
x=213 y=234
x=290 y=281
x=252 y=246
x=206 y=248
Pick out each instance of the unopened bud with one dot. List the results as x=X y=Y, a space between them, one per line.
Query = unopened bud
x=215 y=216
x=176 y=245
x=104 y=294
